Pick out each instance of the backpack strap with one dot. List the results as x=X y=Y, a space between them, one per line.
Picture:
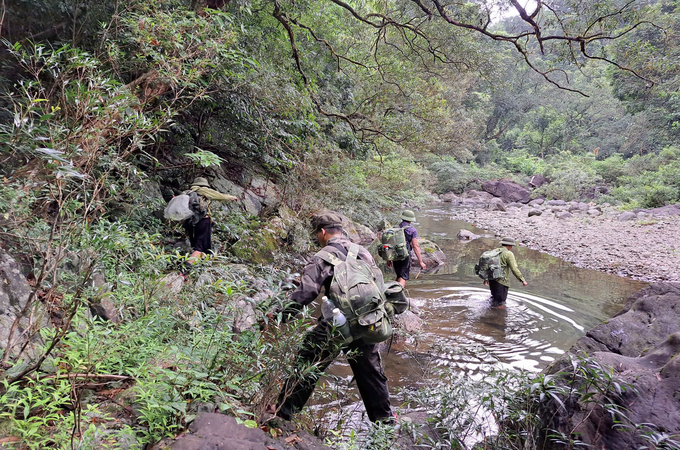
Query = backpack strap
x=328 y=257
x=352 y=253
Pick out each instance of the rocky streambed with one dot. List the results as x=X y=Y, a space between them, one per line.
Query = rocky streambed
x=642 y=244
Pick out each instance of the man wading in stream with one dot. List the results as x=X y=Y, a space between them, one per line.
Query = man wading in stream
x=498 y=281
x=402 y=268
x=319 y=347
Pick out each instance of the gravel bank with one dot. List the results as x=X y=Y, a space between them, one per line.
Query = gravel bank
x=645 y=248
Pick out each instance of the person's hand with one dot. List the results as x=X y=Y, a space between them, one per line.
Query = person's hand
x=486 y=282
x=524 y=283
x=423 y=265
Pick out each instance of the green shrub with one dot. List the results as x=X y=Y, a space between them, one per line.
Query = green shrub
x=525 y=164
x=611 y=169
x=570 y=181
x=453 y=176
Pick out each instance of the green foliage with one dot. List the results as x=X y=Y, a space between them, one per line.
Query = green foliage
x=571 y=179
x=453 y=176
x=204 y=158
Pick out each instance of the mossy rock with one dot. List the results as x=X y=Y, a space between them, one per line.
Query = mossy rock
x=433 y=256
x=261 y=247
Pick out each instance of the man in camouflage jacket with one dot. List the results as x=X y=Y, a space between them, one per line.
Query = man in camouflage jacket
x=319 y=348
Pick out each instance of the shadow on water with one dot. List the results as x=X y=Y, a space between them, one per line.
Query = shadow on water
x=462 y=331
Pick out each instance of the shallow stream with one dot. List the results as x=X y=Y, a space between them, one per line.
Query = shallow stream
x=540 y=322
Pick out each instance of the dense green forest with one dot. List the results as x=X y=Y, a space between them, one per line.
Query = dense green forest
x=108 y=109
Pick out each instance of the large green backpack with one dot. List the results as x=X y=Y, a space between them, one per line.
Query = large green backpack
x=358 y=290
x=489 y=266
x=393 y=245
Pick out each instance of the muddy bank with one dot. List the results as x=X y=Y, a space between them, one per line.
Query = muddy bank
x=644 y=247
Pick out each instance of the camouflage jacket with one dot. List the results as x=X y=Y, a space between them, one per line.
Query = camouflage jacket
x=318 y=275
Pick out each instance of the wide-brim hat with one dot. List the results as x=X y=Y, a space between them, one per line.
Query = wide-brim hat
x=200 y=181
x=408 y=215
x=508 y=241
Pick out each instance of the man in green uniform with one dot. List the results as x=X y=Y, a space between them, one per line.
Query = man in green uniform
x=499 y=288
x=199 y=231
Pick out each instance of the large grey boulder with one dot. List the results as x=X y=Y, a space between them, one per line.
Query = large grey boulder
x=641 y=347
x=433 y=256
x=14 y=295
x=508 y=190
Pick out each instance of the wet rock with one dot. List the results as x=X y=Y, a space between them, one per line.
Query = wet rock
x=556 y=203
x=535 y=212
x=466 y=235
x=496 y=204
x=563 y=215
x=508 y=190
x=628 y=215
x=536 y=202
x=211 y=431
x=537 y=181
x=14 y=295
x=408 y=321
x=433 y=256
x=642 y=346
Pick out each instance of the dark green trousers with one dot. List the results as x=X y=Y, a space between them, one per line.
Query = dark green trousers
x=316 y=354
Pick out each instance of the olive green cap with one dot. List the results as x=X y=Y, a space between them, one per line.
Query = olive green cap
x=326 y=220
x=408 y=215
x=200 y=181
x=508 y=241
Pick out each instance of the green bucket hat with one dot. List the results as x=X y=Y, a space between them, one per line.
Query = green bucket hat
x=408 y=215
x=200 y=181
x=508 y=241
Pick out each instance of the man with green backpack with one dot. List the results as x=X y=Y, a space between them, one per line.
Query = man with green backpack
x=494 y=268
x=397 y=244
x=354 y=286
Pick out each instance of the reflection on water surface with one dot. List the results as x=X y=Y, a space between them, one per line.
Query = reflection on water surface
x=540 y=322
